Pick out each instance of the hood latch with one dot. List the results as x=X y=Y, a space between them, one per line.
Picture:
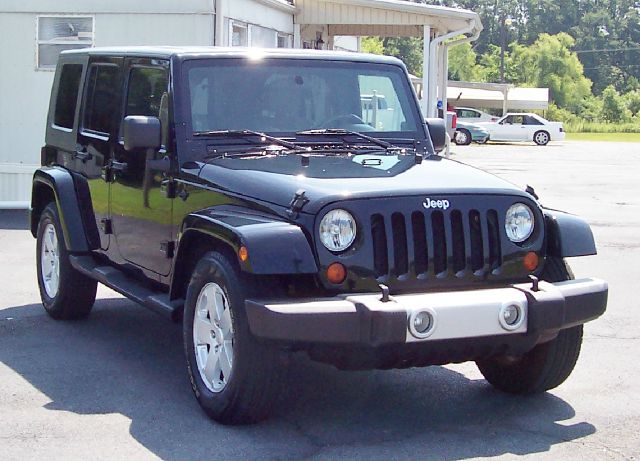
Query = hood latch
x=299 y=200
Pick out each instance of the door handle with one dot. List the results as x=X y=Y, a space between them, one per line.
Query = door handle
x=83 y=155
x=118 y=166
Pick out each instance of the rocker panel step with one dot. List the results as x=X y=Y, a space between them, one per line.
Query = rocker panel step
x=117 y=280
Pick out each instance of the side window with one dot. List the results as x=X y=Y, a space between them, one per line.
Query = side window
x=147 y=94
x=101 y=99
x=528 y=120
x=67 y=97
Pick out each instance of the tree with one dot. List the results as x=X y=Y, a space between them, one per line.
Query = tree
x=372 y=45
x=632 y=101
x=463 y=64
x=549 y=62
x=408 y=49
x=613 y=107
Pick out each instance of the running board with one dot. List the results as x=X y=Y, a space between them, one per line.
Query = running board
x=117 y=280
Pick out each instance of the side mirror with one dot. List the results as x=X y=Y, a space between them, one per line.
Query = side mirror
x=141 y=132
x=437 y=132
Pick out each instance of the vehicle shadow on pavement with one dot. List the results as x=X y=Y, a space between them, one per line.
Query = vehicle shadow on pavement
x=129 y=361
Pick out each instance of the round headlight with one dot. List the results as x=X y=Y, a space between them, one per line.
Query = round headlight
x=337 y=230
x=519 y=222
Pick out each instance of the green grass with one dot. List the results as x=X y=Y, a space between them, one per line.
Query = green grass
x=606 y=137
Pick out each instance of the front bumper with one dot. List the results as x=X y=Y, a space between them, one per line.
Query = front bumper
x=458 y=315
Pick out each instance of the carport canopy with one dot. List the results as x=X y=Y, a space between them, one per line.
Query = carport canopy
x=440 y=26
x=497 y=96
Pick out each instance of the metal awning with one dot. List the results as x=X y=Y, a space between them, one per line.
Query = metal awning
x=383 y=17
x=497 y=96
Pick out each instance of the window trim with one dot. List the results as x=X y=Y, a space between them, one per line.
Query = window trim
x=39 y=42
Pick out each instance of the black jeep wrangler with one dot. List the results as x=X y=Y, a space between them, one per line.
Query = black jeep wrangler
x=280 y=201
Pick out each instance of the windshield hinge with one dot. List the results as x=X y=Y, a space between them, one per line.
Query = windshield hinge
x=299 y=200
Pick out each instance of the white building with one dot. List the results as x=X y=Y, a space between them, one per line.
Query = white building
x=34 y=32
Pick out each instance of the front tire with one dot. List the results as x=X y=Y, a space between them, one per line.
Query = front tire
x=462 y=137
x=547 y=365
x=235 y=378
x=66 y=293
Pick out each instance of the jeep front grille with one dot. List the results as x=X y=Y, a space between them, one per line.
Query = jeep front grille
x=439 y=244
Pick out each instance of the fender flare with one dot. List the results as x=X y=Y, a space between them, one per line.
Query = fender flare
x=568 y=235
x=60 y=183
x=274 y=247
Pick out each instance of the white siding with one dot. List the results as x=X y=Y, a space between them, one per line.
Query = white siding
x=24 y=91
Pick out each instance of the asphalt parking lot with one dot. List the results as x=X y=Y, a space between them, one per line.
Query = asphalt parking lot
x=115 y=385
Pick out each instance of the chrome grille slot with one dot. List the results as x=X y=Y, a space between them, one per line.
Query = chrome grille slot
x=477 y=259
x=458 y=251
x=379 y=239
x=420 y=251
x=400 y=256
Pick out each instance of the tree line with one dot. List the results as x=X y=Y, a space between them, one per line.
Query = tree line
x=587 y=52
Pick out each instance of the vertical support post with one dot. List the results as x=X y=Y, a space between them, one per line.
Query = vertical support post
x=505 y=98
x=426 y=93
x=219 y=29
x=297 y=36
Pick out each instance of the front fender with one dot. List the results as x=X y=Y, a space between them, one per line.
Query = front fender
x=275 y=247
x=568 y=235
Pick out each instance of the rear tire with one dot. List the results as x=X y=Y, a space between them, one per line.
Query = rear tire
x=235 y=379
x=541 y=138
x=547 y=365
x=66 y=293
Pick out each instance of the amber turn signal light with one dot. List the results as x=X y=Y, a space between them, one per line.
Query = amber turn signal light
x=531 y=261
x=336 y=273
x=243 y=254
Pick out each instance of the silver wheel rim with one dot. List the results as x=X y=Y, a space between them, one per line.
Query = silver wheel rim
x=462 y=137
x=50 y=261
x=541 y=138
x=213 y=337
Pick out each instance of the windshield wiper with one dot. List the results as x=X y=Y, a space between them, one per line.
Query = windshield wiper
x=342 y=132
x=245 y=134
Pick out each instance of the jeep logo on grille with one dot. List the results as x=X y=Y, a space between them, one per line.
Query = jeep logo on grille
x=442 y=204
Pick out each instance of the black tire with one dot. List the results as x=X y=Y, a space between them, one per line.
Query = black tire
x=541 y=138
x=254 y=381
x=462 y=137
x=547 y=365
x=76 y=292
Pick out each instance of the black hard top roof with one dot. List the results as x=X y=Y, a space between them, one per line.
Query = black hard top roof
x=207 y=52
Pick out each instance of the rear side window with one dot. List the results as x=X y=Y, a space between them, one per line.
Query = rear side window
x=101 y=98
x=67 y=97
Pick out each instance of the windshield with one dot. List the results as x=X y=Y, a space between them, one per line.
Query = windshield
x=293 y=95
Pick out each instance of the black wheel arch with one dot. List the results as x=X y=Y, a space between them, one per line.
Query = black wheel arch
x=71 y=194
x=568 y=235
x=274 y=247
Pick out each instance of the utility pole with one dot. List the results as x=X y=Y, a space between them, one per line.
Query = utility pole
x=503 y=44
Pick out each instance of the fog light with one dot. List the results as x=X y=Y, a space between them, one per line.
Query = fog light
x=422 y=323
x=511 y=317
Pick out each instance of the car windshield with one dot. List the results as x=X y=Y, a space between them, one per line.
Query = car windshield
x=292 y=95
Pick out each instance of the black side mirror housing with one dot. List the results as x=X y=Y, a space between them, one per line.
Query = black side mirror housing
x=141 y=132
x=437 y=132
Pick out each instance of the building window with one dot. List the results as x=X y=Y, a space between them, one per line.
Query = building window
x=262 y=37
x=285 y=41
x=58 y=33
x=239 y=33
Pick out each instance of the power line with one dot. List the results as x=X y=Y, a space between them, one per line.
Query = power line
x=635 y=48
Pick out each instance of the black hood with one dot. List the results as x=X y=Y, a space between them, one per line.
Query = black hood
x=327 y=179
